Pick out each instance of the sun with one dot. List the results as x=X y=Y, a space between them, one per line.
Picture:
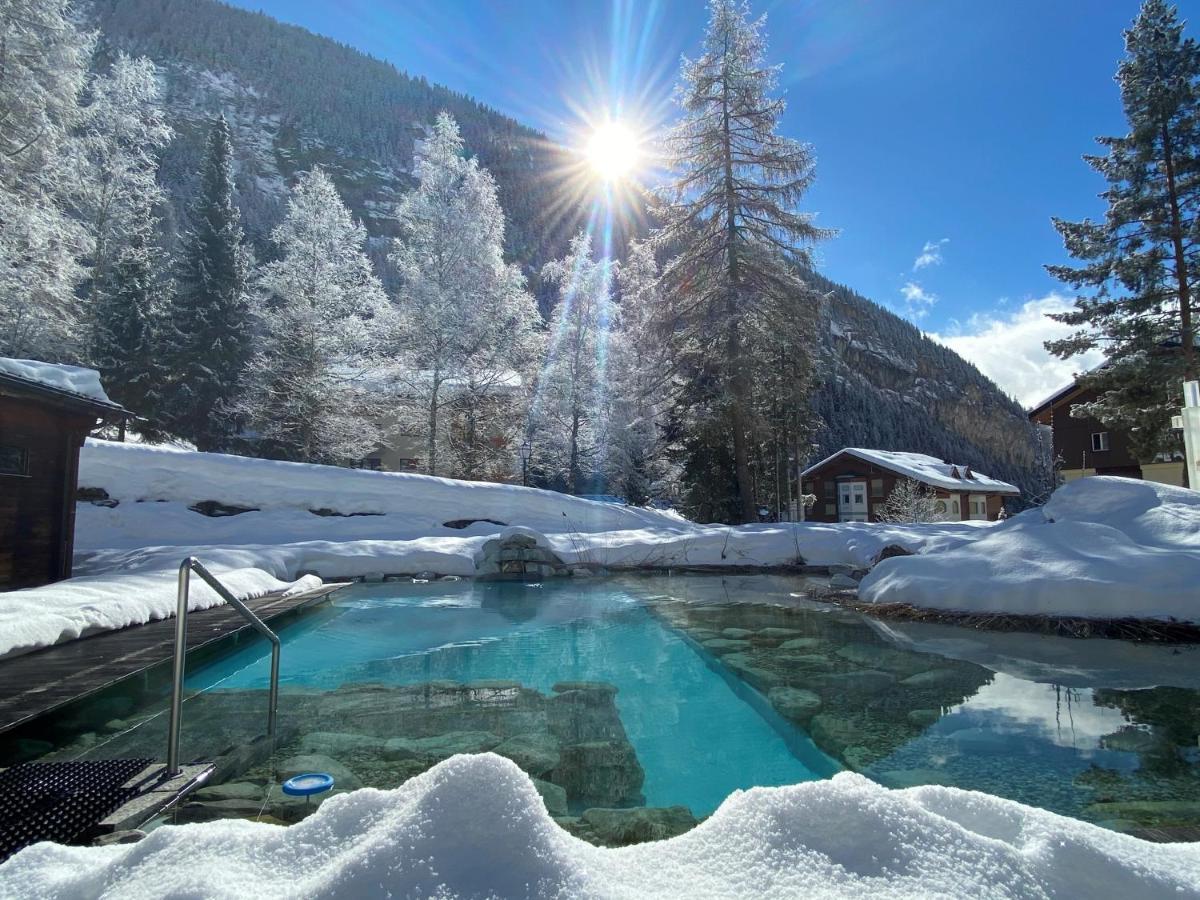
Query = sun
x=613 y=151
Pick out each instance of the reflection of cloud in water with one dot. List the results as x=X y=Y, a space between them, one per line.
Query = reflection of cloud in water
x=1082 y=663
x=1067 y=717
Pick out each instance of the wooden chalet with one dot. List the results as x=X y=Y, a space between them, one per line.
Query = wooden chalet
x=45 y=413
x=853 y=484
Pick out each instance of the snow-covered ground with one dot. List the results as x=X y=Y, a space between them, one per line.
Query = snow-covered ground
x=1100 y=548
x=475 y=826
x=127 y=554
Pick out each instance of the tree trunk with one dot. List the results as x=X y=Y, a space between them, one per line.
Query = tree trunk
x=739 y=393
x=431 y=441
x=1186 y=330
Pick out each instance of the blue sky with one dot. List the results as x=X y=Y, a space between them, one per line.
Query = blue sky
x=946 y=131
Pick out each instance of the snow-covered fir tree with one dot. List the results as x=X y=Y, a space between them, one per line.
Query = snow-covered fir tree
x=209 y=336
x=730 y=214
x=44 y=72
x=567 y=418
x=466 y=335
x=1140 y=265
x=635 y=462
x=309 y=395
x=114 y=165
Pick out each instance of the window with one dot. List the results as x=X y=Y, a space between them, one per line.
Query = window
x=830 y=489
x=14 y=460
x=876 y=487
x=830 y=509
x=1099 y=441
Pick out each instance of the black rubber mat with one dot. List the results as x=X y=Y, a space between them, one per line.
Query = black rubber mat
x=61 y=801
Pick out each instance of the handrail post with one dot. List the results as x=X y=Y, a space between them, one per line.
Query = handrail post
x=181 y=611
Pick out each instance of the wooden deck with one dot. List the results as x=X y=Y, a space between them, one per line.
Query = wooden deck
x=38 y=682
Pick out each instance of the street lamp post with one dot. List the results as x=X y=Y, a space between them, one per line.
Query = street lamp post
x=525 y=451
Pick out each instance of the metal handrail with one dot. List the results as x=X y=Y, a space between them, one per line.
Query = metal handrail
x=189 y=565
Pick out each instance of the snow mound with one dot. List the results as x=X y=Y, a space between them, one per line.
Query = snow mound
x=73 y=379
x=1100 y=548
x=475 y=826
x=131 y=472
x=42 y=616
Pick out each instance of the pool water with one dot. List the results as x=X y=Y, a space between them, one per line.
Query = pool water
x=659 y=691
x=696 y=736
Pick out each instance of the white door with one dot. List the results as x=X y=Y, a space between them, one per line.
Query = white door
x=852 y=501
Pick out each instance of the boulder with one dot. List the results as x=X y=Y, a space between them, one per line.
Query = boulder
x=441 y=746
x=795 y=703
x=312 y=762
x=537 y=753
x=858 y=683
x=736 y=634
x=809 y=662
x=803 y=643
x=841 y=582
x=602 y=687
x=747 y=669
x=622 y=827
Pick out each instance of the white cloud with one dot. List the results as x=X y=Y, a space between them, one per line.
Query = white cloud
x=1007 y=348
x=917 y=300
x=930 y=255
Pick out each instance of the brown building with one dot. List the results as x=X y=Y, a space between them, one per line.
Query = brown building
x=45 y=413
x=1088 y=447
x=853 y=484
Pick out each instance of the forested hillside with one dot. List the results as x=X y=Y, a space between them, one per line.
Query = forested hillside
x=295 y=99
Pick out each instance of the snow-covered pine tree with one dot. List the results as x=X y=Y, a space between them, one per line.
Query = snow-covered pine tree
x=567 y=417
x=730 y=214
x=309 y=393
x=635 y=460
x=1140 y=265
x=45 y=69
x=114 y=165
x=910 y=502
x=209 y=337
x=466 y=335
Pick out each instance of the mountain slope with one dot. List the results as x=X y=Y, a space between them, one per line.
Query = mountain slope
x=295 y=99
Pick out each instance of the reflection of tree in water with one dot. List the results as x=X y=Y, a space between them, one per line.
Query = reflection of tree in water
x=1173 y=715
x=1068 y=697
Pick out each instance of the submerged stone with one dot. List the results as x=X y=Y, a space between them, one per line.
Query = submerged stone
x=536 y=753
x=602 y=687
x=605 y=773
x=237 y=790
x=745 y=667
x=332 y=743
x=722 y=646
x=553 y=796
x=736 y=634
x=795 y=703
x=623 y=827
x=930 y=678
x=440 y=746
x=803 y=643
x=923 y=718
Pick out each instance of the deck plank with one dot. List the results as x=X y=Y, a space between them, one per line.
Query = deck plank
x=38 y=682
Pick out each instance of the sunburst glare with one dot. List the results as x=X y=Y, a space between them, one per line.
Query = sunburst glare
x=613 y=151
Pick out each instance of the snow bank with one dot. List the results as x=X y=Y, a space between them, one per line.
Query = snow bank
x=40 y=617
x=1100 y=548
x=139 y=472
x=74 y=379
x=475 y=826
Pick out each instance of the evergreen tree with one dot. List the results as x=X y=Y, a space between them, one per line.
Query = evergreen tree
x=210 y=335
x=566 y=422
x=309 y=394
x=1140 y=263
x=127 y=321
x=467 y=324
x=730 y=214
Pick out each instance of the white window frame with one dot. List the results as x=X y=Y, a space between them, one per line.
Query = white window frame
x=1103 y=441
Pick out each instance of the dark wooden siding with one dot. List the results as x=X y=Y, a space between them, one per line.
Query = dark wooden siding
x=1073 y=439
x=37 y=508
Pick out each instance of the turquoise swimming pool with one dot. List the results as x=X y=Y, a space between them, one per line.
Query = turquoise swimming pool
x=658 y=696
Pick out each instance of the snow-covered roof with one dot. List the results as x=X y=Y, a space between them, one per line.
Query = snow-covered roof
x=927 y=469
x=77 y=380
